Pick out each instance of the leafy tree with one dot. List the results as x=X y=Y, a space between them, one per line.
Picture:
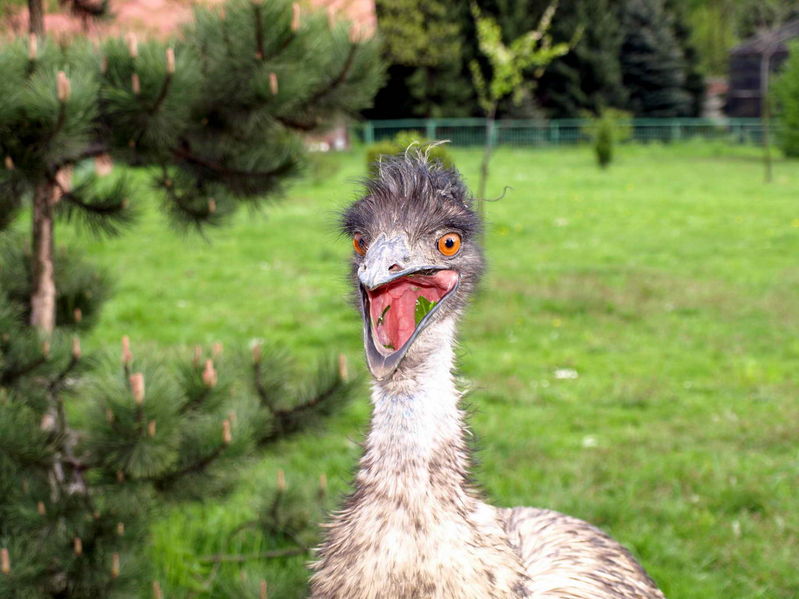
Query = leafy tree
x=652 y=62
x=88 y=449
x=786 y=91
x=424 y=43
x=528 y=54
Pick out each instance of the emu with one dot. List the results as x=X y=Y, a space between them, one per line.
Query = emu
x=415 y=527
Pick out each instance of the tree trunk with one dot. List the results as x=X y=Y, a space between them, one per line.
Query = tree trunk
x=484 y=165
x=43 y=292
x=765 y=109
x=36 y=17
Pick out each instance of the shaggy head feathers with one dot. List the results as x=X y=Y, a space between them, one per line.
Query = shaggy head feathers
x=414 y=195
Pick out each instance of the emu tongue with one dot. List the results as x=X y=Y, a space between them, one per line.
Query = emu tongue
x=392 y=307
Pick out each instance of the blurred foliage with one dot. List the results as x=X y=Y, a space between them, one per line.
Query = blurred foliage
x=92 y=448
x=608 y=128
x=81 y=288
x=652 y=61
x=786 y=92
x=403 y=141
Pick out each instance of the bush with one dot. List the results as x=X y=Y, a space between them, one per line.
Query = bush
x=401 y=142
x=786 y=92
x=605 y=130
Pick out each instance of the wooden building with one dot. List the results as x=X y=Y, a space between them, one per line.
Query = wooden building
x=746 y=63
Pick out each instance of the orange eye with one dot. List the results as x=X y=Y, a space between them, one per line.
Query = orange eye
x=449 y=244
x=359 y=243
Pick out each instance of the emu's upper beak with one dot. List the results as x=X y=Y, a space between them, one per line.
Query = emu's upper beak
x=399 y=296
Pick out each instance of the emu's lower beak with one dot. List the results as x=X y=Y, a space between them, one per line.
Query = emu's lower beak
x=398 y=301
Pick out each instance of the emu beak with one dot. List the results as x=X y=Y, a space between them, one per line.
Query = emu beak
x=398 y=301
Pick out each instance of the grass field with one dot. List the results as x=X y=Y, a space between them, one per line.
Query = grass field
x=633 y=353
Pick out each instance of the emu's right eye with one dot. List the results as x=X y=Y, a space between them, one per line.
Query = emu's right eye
x=359 y=243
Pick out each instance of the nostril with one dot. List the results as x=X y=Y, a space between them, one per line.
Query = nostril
x=394 y=268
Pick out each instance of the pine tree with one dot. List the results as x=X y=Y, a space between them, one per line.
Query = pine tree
x=652 y=63
x=589 y=77
x=216 y=113
x=694 y=79
x=88 y=447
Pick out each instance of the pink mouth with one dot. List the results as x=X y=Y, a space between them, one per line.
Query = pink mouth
x=393 y=307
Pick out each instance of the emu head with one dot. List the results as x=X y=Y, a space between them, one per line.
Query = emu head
x=416 y=259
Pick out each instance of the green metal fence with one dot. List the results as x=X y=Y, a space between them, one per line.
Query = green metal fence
x=517 y=132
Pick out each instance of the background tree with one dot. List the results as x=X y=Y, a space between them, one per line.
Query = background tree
x=694 y=84
x=772 y=16
x=527 y=55
x=605 y=130
x=424 y=43
x=652 y=62
x=589 y=76
x=87 y=451
x=786 y=92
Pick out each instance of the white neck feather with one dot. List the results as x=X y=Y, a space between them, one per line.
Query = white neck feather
x=416 y=415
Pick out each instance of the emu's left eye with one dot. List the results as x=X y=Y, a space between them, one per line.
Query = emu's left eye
x=449 y=244
x=359 y=243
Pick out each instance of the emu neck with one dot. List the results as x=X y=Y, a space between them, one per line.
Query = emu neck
x=416 y=441
x=413 y=527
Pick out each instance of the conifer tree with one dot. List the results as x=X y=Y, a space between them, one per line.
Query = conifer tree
x=217 y=113
x=652 y=62
x=589 y=76
x=694 y=79
x=89 y=448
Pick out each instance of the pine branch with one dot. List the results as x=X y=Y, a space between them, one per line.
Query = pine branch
x=339 y=79
x=159 y=100
x=163 y=482
x=101 y=211
x=55 y=384
x=240 y=558
x=184 y=153
x=92 y=151
x=295 y=418
x=321 y=93
x=259 y=32
x=8 y=376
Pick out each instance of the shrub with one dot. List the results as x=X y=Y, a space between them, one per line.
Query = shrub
x=605 y=130
x=786 y=92
x=401 y=142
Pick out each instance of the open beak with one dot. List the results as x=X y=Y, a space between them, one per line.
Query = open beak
x=398 y=301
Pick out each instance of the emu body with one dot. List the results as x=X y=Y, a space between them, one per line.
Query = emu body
x=415 y=527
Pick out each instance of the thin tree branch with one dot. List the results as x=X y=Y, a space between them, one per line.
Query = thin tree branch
x=322 y=92
x=162 y=482
x=223 y=558
x=185 y=154
x=259 y=32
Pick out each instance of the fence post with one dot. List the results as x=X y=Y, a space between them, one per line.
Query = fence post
x=554 y=132
x=368 y=133
x=430 y=129
x=676 y=130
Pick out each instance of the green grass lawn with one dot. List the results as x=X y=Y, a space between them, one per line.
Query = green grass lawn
x=633 y=353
